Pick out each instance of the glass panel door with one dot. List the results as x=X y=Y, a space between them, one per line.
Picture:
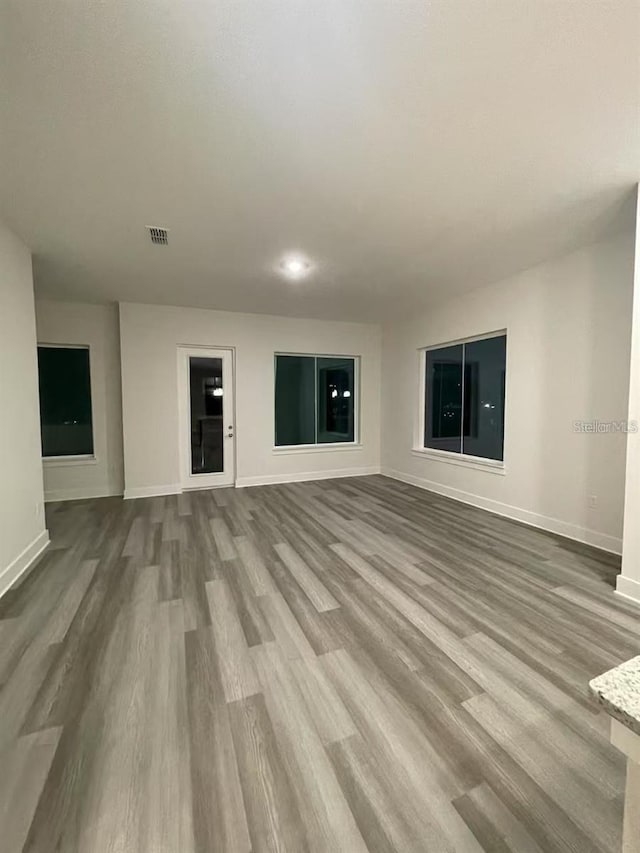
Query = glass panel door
x=207 y=433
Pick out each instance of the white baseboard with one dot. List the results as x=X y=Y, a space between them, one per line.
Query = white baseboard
x=23 y=561
x=80 y=493
x=152 y=491
x=274 y=479
x=594 y=538
x=243 y=482
x=628 y=588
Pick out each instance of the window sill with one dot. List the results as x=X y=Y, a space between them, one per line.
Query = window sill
x=316 y=448
x=492 y=466
x=68 y=461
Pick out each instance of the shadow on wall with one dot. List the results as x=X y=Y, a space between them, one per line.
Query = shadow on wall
x=587 y=322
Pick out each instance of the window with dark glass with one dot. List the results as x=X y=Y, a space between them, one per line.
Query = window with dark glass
x=314 y=400
x=464 y=397
x=65 y=401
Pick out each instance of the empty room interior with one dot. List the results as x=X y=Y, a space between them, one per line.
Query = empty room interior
x=319 y=426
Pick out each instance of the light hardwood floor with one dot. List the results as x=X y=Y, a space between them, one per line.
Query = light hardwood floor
x=346 y=665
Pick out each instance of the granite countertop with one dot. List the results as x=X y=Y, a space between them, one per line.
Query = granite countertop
x=618 y=691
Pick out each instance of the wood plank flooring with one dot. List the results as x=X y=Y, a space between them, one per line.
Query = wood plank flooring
x=346 y=665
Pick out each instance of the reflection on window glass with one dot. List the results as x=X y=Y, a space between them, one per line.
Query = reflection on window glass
x=206 y=396
x=484 y=397
x=314 y=400
x=443 y=408
x=464 y=398
x=335 y=399
x=65 y=401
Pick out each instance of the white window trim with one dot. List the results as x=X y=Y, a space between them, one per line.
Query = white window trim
x=494 y=466
x=356 y=444
x=479 y=463
x=76 y=458
x=284 y=449
x=69 y=461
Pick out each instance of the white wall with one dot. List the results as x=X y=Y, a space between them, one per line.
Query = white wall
x=568 y=342
x=22 y=528
x=149 y=337
x=95 y=326
x=629 y=581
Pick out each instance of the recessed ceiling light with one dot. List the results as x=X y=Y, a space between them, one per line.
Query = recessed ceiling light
x=295 y=266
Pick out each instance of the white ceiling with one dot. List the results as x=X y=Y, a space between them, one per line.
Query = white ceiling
x=411 y=149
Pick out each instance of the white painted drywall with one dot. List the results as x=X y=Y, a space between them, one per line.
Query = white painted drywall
x=22 y=527
x=568 y=325
x=629 y=580
x=149 y=337
x=95 y=326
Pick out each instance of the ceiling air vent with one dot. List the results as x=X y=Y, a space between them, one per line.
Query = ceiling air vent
x=159 y=236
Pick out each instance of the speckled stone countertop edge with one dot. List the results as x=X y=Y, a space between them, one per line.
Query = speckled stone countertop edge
x=618 y=692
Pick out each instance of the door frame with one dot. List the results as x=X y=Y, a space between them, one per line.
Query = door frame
x=226 y=478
